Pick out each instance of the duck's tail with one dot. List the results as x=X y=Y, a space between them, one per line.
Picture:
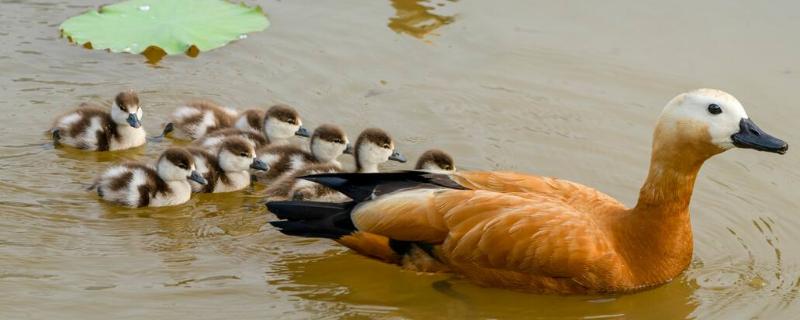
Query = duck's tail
x=169 y=127
x=333 y=220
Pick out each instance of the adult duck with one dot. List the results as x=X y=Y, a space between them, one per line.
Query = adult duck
x=533 y=233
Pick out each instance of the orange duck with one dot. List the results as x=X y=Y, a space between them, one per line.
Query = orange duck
x=538 y=234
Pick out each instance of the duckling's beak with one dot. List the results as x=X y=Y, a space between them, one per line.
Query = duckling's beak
x=349 y=149
x=750 y=136
x=303 y=132
x=396 y=156
x=133 y=120
x=196 y=177
x=259 y=165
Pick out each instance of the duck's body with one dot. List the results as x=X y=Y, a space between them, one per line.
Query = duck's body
x=213 y=141
x=533 y=233
x=327 y=143
x=227 y=170
x=93 y=128
x=199 y=118
x=251 y=119
x=373 y=147
x=138 y=185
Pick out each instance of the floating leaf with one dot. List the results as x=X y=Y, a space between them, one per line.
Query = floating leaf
x=173 y=26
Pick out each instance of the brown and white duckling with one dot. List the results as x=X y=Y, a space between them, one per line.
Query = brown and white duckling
x=435 y=160
x=227 y=170
x=326 y=144
x=280 y=123
x=373 y=147
x=135 y=184
x=92 y=128
x=198 y=118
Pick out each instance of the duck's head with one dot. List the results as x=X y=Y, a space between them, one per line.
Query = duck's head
x=328 y=142
x=281 y=122
x=125 y=110
x=435 y=160
x=177 y=164
x=237 y=154
x=373 y=147
x=708 y=122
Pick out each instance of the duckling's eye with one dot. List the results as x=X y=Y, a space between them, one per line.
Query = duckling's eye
x=244 y=154
x=339 y=141
x=714 y=108
x=386 y=146
x=183 y=166
x=291 y=121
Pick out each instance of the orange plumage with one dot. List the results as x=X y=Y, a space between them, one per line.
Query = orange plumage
x=528 y=232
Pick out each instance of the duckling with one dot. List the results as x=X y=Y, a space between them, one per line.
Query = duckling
x=435 y=160
x=373 y=147
x=135 y=184
x=198 y=118
x=92 y=128
x=280 y=123
x=213 y=141
x=228 y=170
x=326 y=144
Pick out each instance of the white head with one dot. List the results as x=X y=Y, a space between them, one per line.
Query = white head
x=177 y=164
x=282 y=122
x=435 y=160
x=373 y=147
x=125 y=110
x=328 y=142
x=237 y=154
x=709 y=117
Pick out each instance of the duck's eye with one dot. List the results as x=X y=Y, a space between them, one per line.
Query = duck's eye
x=714 y=108
x=291 y=121
x=339 y=141
x=244 y=154
x=386 y=146
x=183 y=166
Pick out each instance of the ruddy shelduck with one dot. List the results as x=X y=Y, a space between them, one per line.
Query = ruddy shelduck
x=532 y=233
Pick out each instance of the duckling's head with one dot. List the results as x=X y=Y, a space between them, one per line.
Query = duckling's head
x=237 y=154
x=708 y=122
x=125 y=110
x=282 y=122
x=328 y=142
x=176 y=164
x=435 y=160
x=373 y=147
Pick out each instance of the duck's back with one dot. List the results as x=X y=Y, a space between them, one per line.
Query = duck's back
x=87 y=127
x=131 y=185
x=198 y=118
x=284 y=160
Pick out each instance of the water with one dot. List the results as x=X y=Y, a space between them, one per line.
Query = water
x=564 y=89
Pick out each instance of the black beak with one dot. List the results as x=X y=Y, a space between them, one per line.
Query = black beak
x=303 y=132
x=349 y=149
x=133 y=120
x=750 y=136
x=259 y=165
x=396 y=156
x=196 y=177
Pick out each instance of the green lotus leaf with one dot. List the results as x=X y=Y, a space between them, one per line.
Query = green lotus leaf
x=174 y=26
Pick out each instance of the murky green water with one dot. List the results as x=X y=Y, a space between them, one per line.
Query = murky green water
x=568 y=89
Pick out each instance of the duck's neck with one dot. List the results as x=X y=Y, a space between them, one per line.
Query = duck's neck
x=656 y=235
x=366 y=167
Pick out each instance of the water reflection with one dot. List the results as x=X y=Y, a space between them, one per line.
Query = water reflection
x=418 y=18
x=358 y=285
